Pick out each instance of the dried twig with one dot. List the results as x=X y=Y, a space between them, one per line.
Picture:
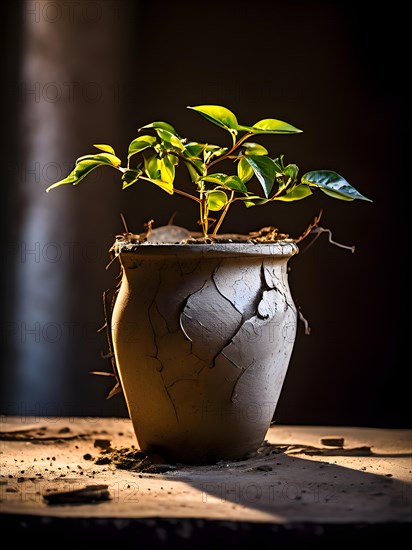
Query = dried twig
x=124 y=223
x=268 y=234
x=305 y=322
x=314 y=228
x=318 y=232
x=310 y=228
x=117 y=388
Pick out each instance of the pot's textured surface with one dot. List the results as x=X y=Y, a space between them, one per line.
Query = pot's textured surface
x=203 y=336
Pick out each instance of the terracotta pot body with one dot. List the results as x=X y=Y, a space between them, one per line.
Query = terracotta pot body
x=202 y=336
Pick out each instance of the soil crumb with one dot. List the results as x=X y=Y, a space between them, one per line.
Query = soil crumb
x=133 y=460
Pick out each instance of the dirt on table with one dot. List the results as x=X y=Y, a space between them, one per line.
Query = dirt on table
x=131 y=459
x=93 y=468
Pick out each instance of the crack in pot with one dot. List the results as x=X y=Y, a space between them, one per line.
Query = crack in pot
x=205 y=329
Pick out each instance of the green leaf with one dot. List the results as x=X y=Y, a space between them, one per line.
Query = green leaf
x=167 y=170
x=231 y=182
x=271 y=126
x=194 y=149
x=244 y=170
x=279 y=164
x=265 y=171
x=154 y=168
x=254 y=201
x=130 y=176
x=106 y=148
x=164 y=125
x=170 y=137
x=218 y=178
x=102 y=158
x=254 y=148
x=195 y=167
x=299 y=192
x=333 y=185
x=194 y=172
x=174 y=159
x=140 y=144
x=218 y=115
x=236 y=184
x=216 y=200
x=168 y=187
x=81 y=170
x=291 y=170
x=213 y=151
x=285 y=176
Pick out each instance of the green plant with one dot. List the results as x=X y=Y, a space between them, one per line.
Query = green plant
x=215 y=191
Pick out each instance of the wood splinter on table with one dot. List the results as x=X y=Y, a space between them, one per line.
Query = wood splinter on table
x=332 y=441
x=88 y=494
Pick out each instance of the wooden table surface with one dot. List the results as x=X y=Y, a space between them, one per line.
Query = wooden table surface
x=293 y=481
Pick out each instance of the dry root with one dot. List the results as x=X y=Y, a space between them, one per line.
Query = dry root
x=268 y=234
x=314 y=229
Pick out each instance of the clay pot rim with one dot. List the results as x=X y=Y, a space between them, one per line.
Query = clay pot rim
x=285 y=248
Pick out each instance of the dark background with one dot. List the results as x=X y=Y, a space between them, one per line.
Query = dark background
x=93 y=72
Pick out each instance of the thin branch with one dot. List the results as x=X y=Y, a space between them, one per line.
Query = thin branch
x=222 y=217
x=340 y=245
x=204 y=213
x=310 y=228
x=318 y=232
x=124 y=223
x=115 y=256
x=179 y=192
x=235 y=146
x=172 y=218
x=314 y=228
x=107 y=326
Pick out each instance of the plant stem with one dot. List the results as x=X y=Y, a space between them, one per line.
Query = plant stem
x=204 y=218
x=179 y=192
x=204 y=223
x=235 y=146
x=222 y=217
x=175 y=190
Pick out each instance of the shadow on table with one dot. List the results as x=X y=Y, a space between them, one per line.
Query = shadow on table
x=297 y=489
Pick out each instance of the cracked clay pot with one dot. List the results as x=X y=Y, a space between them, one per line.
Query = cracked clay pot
x=202 y=336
